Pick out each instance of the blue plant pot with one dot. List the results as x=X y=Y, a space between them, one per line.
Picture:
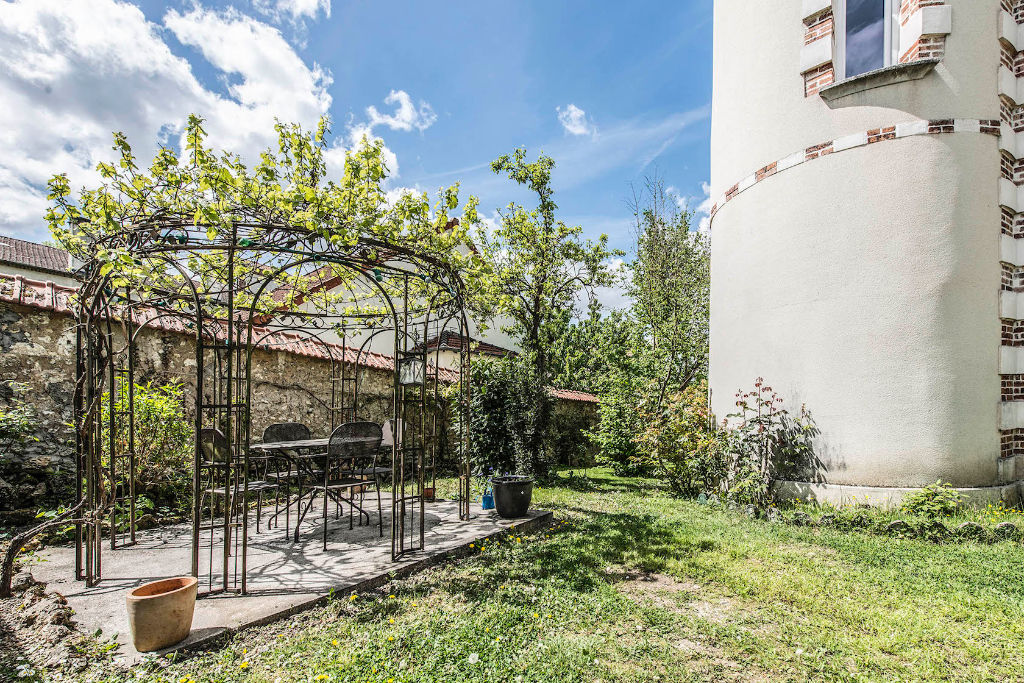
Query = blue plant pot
x=487 y=501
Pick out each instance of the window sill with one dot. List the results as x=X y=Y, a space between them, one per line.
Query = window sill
x=890 y=75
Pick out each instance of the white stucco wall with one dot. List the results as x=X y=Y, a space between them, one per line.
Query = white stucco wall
x=42 y=276
x=760 y=114
x=864 y=283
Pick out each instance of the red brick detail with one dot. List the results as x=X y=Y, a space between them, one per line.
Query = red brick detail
x=879 y=134
x=940 y=126
x=816 y=151
x=1012 y=278
x=732 y=191
x=925 y=47
x=1012 y=332
x=908 y=7
x=1011 y=387
x=765 y=172
x=990 y=127
x=1006 y=221
x=817 y=79
x=819 y=27
x=1011 y=443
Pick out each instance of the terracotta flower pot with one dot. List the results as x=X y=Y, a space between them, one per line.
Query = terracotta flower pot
x=160 y=612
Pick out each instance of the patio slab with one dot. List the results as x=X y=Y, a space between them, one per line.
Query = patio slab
x=283 y=578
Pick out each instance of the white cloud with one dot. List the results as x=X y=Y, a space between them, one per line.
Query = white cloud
x=294 y=10
x=75 y=70
x=273 y=79
x=703 y=209
x=405 y=117
x=700 y=206
x=615 y=297
x=574 y=120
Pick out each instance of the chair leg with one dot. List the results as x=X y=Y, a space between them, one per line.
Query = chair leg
x=327 y=501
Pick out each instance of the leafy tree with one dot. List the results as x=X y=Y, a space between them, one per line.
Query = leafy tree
x=287 y=198
x=670 y=288
x=540 y=269
x=588 y=351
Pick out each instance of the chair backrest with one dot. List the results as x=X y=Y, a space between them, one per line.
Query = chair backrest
x=390 y=432
x=369 y=435
x=214 y=445
x=286 y=431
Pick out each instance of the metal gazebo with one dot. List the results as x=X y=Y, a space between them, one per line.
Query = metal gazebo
x=235 y=289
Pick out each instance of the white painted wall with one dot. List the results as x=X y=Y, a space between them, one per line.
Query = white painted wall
x=865 y=283
x=39 y=275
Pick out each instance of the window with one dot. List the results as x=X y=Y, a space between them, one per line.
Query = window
x=867 y=35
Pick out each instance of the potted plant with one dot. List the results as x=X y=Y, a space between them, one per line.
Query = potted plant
x=512 y=495
x=160 y=612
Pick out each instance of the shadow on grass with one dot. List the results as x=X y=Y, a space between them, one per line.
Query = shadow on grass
x=597 y=480
x=579 y=556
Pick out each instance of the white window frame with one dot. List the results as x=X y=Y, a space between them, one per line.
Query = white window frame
x=892 y=36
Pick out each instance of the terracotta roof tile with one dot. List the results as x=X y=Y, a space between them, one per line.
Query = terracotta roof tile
x=573 y=395
x=450 y=340
x=31 y=255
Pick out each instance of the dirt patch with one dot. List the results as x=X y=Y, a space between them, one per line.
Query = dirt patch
x=38 y=636
x=689 y=598
x=661 y=590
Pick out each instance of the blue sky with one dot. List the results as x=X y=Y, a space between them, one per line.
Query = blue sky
x=612 y=90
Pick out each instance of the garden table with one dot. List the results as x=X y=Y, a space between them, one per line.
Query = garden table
x=305 y=455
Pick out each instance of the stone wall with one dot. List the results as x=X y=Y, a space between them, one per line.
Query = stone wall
x=37 y=347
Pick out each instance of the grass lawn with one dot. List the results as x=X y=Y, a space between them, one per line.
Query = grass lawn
x=633 y=585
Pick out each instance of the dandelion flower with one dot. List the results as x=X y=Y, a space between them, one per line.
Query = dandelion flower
x=474 y=658
x=391 y=637
x=391 y=621
x=244 y=665
x=392 y=597
x=334 y=643
x=415 y=604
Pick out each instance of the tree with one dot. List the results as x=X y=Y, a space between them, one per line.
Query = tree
x=287 y=196
x=670 y=288
x=540 y=267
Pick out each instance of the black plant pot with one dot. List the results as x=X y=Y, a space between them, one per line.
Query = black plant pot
x=512 y=495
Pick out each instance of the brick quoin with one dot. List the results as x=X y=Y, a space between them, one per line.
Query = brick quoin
x=817 y=79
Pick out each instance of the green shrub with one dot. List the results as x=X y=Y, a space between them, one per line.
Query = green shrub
x=17 y=418
x=507 y=407
x=764 y=439
x=933 y=501
x=164 y=440
x=619 y=425
x=682 y=442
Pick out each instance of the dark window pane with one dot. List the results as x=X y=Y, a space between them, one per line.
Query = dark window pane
x=865 y=36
